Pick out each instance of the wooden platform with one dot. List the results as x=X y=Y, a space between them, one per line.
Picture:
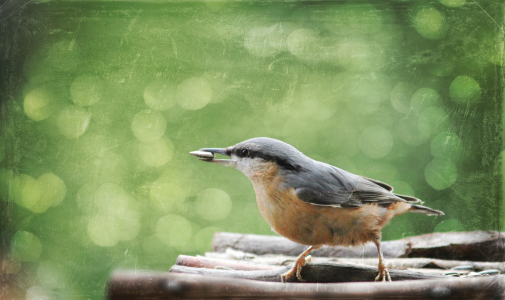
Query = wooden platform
x=251 y=270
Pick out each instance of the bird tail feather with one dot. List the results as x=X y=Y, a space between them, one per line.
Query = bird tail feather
x=409 y=199
x=425 y=210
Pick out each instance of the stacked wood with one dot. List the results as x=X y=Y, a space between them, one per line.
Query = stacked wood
x=249 y=266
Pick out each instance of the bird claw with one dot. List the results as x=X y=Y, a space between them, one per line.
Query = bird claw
x=299 y=273
x=383 y=275
x=296 y=270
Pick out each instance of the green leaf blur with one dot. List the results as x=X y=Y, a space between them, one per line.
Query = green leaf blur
x=102 y=102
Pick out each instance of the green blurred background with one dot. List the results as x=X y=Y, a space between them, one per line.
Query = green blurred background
x=102 y=101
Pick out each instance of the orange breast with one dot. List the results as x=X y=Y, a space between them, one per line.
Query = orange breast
x=309 y=224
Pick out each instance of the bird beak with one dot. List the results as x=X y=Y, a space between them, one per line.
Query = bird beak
x=207 y=154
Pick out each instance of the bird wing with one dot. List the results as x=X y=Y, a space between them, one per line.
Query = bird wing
x=327 y=185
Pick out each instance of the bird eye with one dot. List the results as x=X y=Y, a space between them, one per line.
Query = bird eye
x=244 y=152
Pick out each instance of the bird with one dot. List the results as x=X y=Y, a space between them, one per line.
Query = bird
x=313 y=203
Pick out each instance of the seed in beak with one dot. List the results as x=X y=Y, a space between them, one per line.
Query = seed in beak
x=203 y=155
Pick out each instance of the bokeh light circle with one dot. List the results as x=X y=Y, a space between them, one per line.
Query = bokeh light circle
x=433 y=120
x=73 y=121
x=409 y=133
x=25 y=246
x=149 y=125
x=447 y=145
x=159 y=94
x=401 y=96
x=174 y=231
x=25 y=190
x=376 y=141
x=156 y=153
x=194 y=93
x=424 y=98
x=465 y=89
x=264 y=41
x=99 y=231
x=37 y=104
x=213 y=204
x=86 y=90
x=167 y=193
x=204 y=237
x=53 y=191
x=430 y=23
x=440 y=173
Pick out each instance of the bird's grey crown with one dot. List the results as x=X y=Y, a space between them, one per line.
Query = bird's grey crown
x=317 y=182
x=286 y=156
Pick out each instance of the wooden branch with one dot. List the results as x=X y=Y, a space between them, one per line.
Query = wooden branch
x=263 y=275
x=312 y=272
x=216 y=263
x=473 y=245
x=149 y=285
x=394 y=263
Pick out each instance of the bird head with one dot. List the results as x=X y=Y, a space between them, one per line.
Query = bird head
x=255 y=155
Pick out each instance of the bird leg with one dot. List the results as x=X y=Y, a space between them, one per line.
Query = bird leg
x=300 y=262
x=383 y=270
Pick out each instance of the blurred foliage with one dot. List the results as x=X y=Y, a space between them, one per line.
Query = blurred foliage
x=101 y=103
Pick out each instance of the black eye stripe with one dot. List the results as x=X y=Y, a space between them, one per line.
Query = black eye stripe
x=283 y=162
x=245 y=152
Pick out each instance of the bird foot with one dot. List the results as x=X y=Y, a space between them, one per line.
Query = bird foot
x=383 y=274
x=296 y=270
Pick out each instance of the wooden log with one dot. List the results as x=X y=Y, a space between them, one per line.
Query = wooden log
x=406 y=263
x=393 y=263
x=162 y=285
x=312 y=272
x=472 y=245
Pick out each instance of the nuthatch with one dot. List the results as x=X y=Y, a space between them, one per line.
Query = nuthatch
x=313 y=203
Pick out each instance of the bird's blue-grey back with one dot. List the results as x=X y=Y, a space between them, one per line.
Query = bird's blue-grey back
x=320 y=183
